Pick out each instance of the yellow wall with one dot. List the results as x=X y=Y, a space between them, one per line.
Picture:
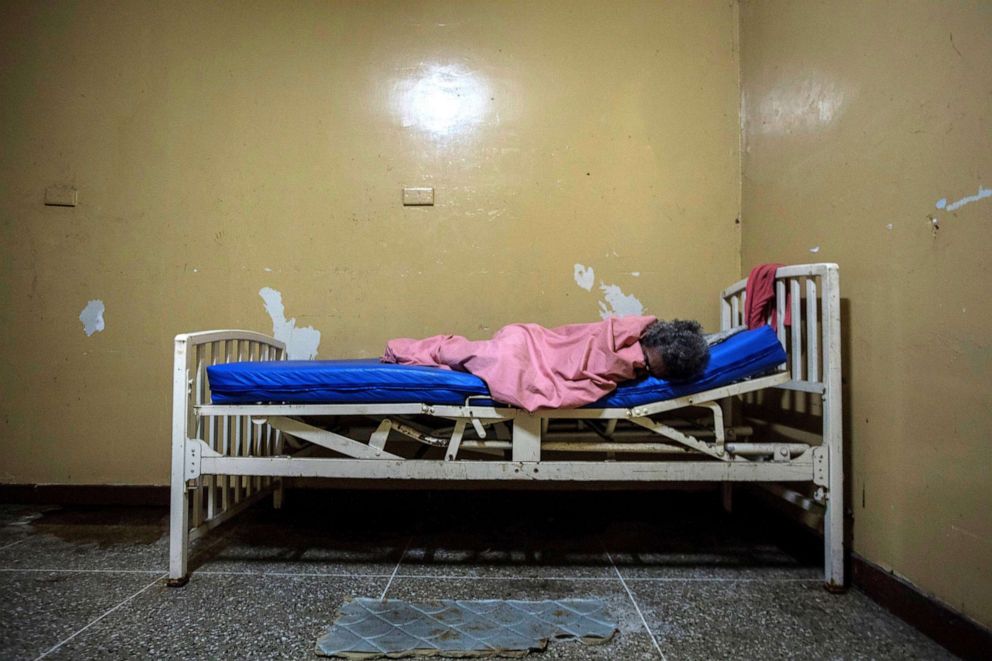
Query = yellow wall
x=219 y=148
x=858 y=118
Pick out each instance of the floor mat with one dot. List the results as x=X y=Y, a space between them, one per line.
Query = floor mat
x=369 y=628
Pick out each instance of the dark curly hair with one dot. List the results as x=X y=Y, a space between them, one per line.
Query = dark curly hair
x=682 y=346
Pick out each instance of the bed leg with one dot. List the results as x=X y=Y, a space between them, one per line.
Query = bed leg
x=833 y=544
x=728 y=497
x=277 y=495
x=178 y=534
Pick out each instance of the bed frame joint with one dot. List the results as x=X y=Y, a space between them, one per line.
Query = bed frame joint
x=821 y=467
x=195 y=451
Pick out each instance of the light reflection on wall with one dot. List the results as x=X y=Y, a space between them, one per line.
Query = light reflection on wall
x=807 y=104
x=442 y=100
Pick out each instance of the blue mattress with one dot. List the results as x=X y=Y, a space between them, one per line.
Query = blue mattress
x=367 y=381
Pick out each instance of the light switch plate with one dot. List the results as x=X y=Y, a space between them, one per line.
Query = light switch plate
x=418 y=197
x=60 y=196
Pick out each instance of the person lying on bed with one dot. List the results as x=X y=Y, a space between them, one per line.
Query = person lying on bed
x=533 y=367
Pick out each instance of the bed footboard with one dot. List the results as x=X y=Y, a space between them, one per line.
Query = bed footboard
x=202 y=502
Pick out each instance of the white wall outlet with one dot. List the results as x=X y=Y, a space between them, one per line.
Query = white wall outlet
x=418 y=197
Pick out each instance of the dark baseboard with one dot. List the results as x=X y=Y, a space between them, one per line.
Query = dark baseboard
x=957 y=633
x=83 y=494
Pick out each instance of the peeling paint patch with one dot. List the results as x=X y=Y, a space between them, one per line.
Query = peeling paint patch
x=815 y=249
x=618 y=304
x=636 y=274
x=954 y=206
x=585 y=277
x=889 y=226
x=301 y=343
x=92 y=317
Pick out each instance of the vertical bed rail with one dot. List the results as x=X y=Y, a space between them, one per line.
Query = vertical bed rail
x=833 y=527
x=813 y=345
x=178 y=501
x=206 y=501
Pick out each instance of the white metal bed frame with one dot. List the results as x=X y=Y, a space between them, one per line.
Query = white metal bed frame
x=225 y=457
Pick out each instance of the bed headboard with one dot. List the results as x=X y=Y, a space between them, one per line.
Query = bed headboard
x=813 y=344
x=812 y=340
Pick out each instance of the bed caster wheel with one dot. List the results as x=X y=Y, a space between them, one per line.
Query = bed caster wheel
x=833 y=588
x=177 y=582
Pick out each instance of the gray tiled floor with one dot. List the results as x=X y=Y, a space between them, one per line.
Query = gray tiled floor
x=683 y=580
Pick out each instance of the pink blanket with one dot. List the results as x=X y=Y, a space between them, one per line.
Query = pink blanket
x=535 y=367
